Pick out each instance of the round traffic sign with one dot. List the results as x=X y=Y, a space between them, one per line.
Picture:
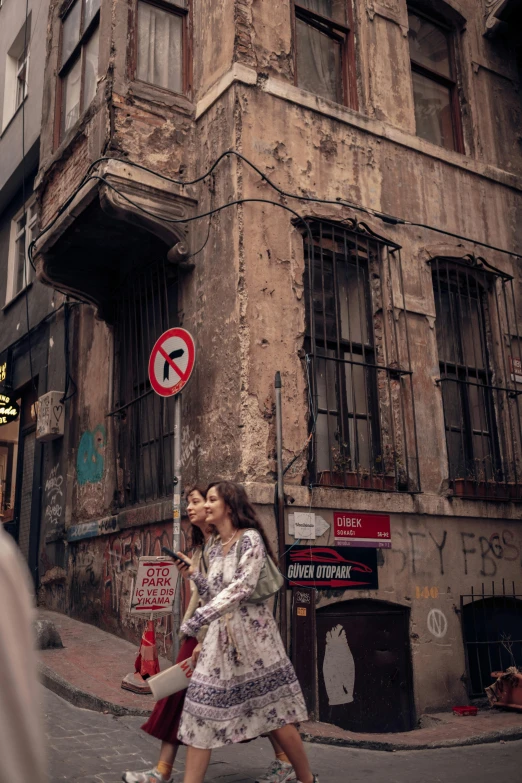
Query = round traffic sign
x=171 y=362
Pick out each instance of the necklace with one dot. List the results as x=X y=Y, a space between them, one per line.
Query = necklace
x=225 y=543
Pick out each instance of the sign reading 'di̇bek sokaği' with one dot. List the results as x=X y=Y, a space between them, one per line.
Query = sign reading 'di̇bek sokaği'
x=362 y=530
x=9 y=410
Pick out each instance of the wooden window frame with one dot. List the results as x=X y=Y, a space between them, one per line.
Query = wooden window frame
x=186 y=43
x=65 y=68
x=344 y=35
x=450 y=83
x=31 y=221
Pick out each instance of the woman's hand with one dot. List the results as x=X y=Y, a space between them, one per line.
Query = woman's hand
x=195 y=654
x=186 y=568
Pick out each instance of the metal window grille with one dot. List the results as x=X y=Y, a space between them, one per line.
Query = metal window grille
x=479 y=361
x=358 y=347
x=146 y=307
x=492 y=632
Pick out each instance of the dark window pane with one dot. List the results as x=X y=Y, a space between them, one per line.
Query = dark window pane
x=91 y=68
x=353 y=292
x=452 y=403
x=326 y=382
x=318 y=63
x=326 y=428
x=446 y=336
x=71 y=30
x=332 y=9
x=433 y=111
x=429 y=45
x=457 y=462
x=20 y=264
x=91 y=6
x=160 y=53
x=71 y=95
x=356 y=386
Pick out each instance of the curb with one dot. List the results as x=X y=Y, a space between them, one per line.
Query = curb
x=54 y=682
x=507 y=735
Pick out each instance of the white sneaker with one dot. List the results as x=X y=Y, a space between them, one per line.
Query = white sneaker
x=278 y=772
x=149 y=776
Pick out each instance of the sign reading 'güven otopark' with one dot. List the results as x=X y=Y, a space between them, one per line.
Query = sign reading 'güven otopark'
x=362 y=530
x=332 y=568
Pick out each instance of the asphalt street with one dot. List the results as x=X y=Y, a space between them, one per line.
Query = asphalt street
x=89 y=747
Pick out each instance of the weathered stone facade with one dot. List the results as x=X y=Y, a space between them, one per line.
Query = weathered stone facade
x=243 y=294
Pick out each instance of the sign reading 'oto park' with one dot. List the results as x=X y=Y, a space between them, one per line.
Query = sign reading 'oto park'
x=154 y=586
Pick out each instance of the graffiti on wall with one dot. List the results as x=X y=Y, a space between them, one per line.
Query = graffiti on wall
x=478 y=555
x=102 y=574
x=53 y=497
x=90 y=462
x=190 y=448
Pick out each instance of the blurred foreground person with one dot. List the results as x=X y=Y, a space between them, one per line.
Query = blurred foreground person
x=22 y=754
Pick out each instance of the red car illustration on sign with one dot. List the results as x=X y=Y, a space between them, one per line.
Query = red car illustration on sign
x=324 y=554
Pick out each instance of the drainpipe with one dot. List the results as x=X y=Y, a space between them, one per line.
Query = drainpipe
x=280 y=502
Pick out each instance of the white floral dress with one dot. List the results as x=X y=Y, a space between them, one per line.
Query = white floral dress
x=243 y=685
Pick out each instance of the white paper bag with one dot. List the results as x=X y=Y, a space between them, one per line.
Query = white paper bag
x=172 y=680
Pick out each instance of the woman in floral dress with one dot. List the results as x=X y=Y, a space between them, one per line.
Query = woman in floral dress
x=243 y=685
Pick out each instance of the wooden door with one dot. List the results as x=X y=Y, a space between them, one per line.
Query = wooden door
x=364 y=666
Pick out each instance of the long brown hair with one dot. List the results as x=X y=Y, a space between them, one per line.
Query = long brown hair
x=241 y=509
x=198 y=539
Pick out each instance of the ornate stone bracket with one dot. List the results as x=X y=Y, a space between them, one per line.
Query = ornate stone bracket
x=122 y=193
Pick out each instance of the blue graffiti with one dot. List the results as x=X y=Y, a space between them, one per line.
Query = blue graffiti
x=90 y=462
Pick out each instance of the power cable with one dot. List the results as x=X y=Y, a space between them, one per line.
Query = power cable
x=385 y=217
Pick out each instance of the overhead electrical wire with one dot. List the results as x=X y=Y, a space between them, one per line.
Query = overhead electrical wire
x=383 y=216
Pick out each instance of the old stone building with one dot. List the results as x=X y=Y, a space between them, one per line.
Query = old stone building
x=30 y=318
x=330 y=189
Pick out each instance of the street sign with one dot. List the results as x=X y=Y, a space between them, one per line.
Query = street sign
x=171 y=362
x=362 y=530
x=332 y=568
x=154 y=586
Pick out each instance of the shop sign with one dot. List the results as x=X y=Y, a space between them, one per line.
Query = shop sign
x=9 y=410
x=362 y=530
x=3 y=372
x=154 y=586
x=332 y=568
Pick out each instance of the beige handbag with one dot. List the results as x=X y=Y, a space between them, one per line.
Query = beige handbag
x=270 y=579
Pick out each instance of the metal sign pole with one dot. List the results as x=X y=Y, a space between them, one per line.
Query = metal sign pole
x=176 y=519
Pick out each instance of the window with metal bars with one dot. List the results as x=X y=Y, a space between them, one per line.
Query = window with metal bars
x=147 y=306
x=363 y=411
x=478 y=348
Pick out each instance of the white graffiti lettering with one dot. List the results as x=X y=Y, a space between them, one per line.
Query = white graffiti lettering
x=53 y=496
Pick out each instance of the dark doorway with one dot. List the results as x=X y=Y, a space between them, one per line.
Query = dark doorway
x=25 y=526
x=492 y=628
x=364 y=666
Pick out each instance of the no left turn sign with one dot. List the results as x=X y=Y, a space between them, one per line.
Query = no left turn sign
x=171 y=362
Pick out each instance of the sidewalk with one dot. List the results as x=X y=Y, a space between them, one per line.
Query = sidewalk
x=89 y=669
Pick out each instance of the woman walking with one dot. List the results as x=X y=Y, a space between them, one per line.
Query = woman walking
x=164 y=720
x=243 y=685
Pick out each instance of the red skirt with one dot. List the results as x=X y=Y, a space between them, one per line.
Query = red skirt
x=164 y=721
